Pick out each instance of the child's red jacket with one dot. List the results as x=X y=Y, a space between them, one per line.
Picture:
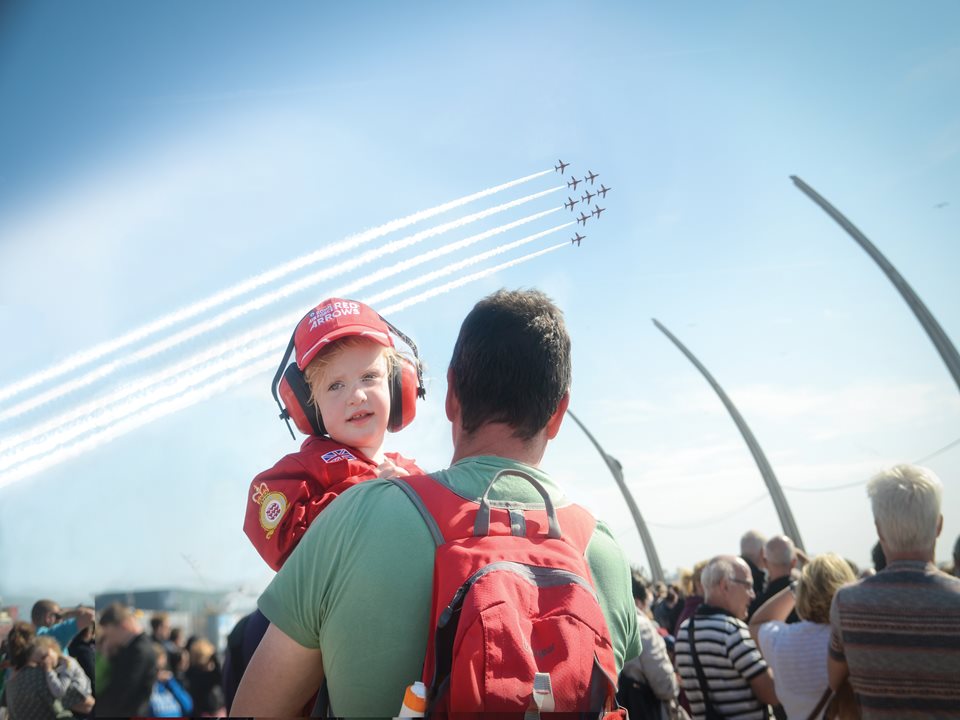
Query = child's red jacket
x=285 y=499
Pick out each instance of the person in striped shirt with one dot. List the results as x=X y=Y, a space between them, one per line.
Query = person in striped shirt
x=736 y=680
x=896 y=635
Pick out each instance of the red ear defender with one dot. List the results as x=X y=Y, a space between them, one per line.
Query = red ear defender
x=404 y=390
x=295 y=393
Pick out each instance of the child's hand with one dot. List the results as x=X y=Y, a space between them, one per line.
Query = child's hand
x=49 y=660
x=387 y=469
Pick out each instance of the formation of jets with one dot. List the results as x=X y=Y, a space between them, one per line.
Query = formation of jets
x=589 y=178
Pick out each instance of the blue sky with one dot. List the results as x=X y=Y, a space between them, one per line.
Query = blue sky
x=152 y=155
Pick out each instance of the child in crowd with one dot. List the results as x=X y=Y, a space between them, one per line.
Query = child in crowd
x=348 y=386
x=63 y=672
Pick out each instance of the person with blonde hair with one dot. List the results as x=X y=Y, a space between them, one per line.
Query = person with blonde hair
x=797 y=652
x=896 y=635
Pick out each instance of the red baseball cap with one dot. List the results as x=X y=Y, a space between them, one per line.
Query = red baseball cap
x=333 y=319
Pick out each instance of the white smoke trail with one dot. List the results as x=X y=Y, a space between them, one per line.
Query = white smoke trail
x=98 y=413
x=154 y=413
x=225 y=382
x=95 y=353
x=201 y=373
x=454 y=284
x=256 y=304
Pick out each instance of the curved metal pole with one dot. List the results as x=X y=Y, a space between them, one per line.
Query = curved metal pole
x=789 y=525
x=948 y=353
x=616 y=469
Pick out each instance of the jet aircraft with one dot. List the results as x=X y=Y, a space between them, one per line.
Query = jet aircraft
x=570 y=203
x=591 y=175
x=560 y=168
x=586 y=198
x=602 y=192
x=573 y=183
x=578 y=237
x=583 y=219
x=597 y=210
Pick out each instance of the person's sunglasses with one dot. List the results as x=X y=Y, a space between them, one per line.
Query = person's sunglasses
x=745 y=583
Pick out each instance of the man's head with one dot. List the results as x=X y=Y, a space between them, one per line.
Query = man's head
x=906 y=509
x=46 y=613
x=641 y=591
x=117 y=626
x=781 y=556
x=510 y=364
x=728 y=584
x=751 y=547
x=160 y=626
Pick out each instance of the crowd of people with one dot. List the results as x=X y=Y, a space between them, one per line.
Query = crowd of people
x=365 y=548
x=775 y=631
x=70 y=663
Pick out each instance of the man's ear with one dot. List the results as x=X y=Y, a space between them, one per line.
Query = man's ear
x=451 y=404
x=553 y=424
x=939 y=524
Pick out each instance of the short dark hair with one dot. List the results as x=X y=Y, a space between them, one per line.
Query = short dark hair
x=38 y=612
x=639 y=585
x=115 y=614
x=878 y=557
x=511 y=362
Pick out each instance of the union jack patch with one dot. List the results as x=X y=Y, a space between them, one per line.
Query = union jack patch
x=337 y=455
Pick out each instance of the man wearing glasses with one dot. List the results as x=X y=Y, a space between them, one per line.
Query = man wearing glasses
x=50 y=619
x=719 y=664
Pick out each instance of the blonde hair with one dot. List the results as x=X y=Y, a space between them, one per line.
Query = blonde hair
x=201 y=651
x=47 y=643
x=318 y=366
x=819 y=581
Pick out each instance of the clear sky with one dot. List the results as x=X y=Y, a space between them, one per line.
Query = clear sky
x=155 y=154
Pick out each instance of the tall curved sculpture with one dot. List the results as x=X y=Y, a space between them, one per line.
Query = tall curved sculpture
x=616 y=469
x=948 y=353
x=789 y=525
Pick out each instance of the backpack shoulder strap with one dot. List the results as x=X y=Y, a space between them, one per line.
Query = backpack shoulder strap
x=421 y=507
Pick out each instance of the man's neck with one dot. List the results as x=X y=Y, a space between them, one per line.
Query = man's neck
x=498 y=439
x=917 y=555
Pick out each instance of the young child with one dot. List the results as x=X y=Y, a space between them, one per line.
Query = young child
x=63 y=672
x=348 y=387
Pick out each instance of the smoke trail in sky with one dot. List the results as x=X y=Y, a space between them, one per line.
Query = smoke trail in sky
x=256 y=304
x=348 y=243
x=98 y=412
x=132 y=423
x=224 y=382
x=453 y=284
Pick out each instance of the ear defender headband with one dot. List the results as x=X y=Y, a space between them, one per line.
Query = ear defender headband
x=291 y=390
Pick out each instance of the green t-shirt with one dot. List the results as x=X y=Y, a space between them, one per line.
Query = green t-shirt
x=358 y=586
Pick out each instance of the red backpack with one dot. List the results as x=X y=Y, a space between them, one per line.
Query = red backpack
x=516 y=625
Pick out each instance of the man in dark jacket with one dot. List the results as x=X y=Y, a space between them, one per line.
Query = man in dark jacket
x=133 y=665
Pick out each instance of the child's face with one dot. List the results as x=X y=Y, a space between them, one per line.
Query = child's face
x=353 y=397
